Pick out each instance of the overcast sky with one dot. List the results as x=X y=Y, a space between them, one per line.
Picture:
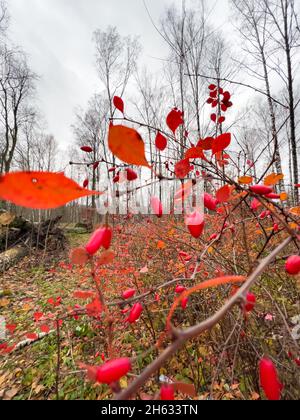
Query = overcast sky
x=57 y=36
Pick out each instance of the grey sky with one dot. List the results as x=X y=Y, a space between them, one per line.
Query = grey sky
x=57 y=36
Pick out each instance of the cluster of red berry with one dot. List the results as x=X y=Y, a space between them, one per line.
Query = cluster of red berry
x=221 y=99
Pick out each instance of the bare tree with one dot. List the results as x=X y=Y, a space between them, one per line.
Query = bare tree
x=16 y=87
x=283 y=18
x=254 y=31
x=90 y=129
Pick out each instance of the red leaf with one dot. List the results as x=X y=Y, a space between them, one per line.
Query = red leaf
x=11 y=328
x=223 y=194
x=32 y=336
x=221 y=143
x=206 y=144
x=44 y=329
x=161 y=142
x=86 y=149
x=212 y=87
x=40 y=190
x=79 y=256
x=82 y=294
x=119 y=104
x=37 y=316
x=96 y=165
x=94 y=308
x=131 y=175
x=195 y=153
x=182 y=168
x=174 y=119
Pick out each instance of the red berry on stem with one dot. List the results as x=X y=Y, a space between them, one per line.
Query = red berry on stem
x=195 y=224
x=135 y=313
x=113 y=370
x=261 y=189
x=128 y=293
x=269 y=380
x=292 y=265
x=250 y=302
x=100 y=238
x=167 y=393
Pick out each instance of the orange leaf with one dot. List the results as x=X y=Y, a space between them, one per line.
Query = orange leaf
x=273 y=179
x=223 y=194
x=245 y=180
x=188 y=389
x=284 y=196
x=161 y=245
x=295 y=210
x=202 y=286
x=126 y=144
x=40 y=190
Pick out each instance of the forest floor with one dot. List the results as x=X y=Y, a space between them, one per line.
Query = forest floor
x=40 y=290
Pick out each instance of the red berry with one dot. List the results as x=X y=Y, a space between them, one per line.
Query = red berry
x=156 y=206
x=261 y=189
x=292 y=265
x=113 y=370
x=128 y=293
x=250 y=302
x=269 y=380
x=184 y=303
x=101 y=238
x=209 y=202
x=167 y=393
x=135 y=313
x=180 y=289
x=195 y=224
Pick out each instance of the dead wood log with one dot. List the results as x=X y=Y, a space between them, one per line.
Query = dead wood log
x=10 y=257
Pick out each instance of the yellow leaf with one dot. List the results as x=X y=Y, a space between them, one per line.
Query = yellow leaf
x=123 y=382
x=126 y=144
x=273 y=179
x=245 y=180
